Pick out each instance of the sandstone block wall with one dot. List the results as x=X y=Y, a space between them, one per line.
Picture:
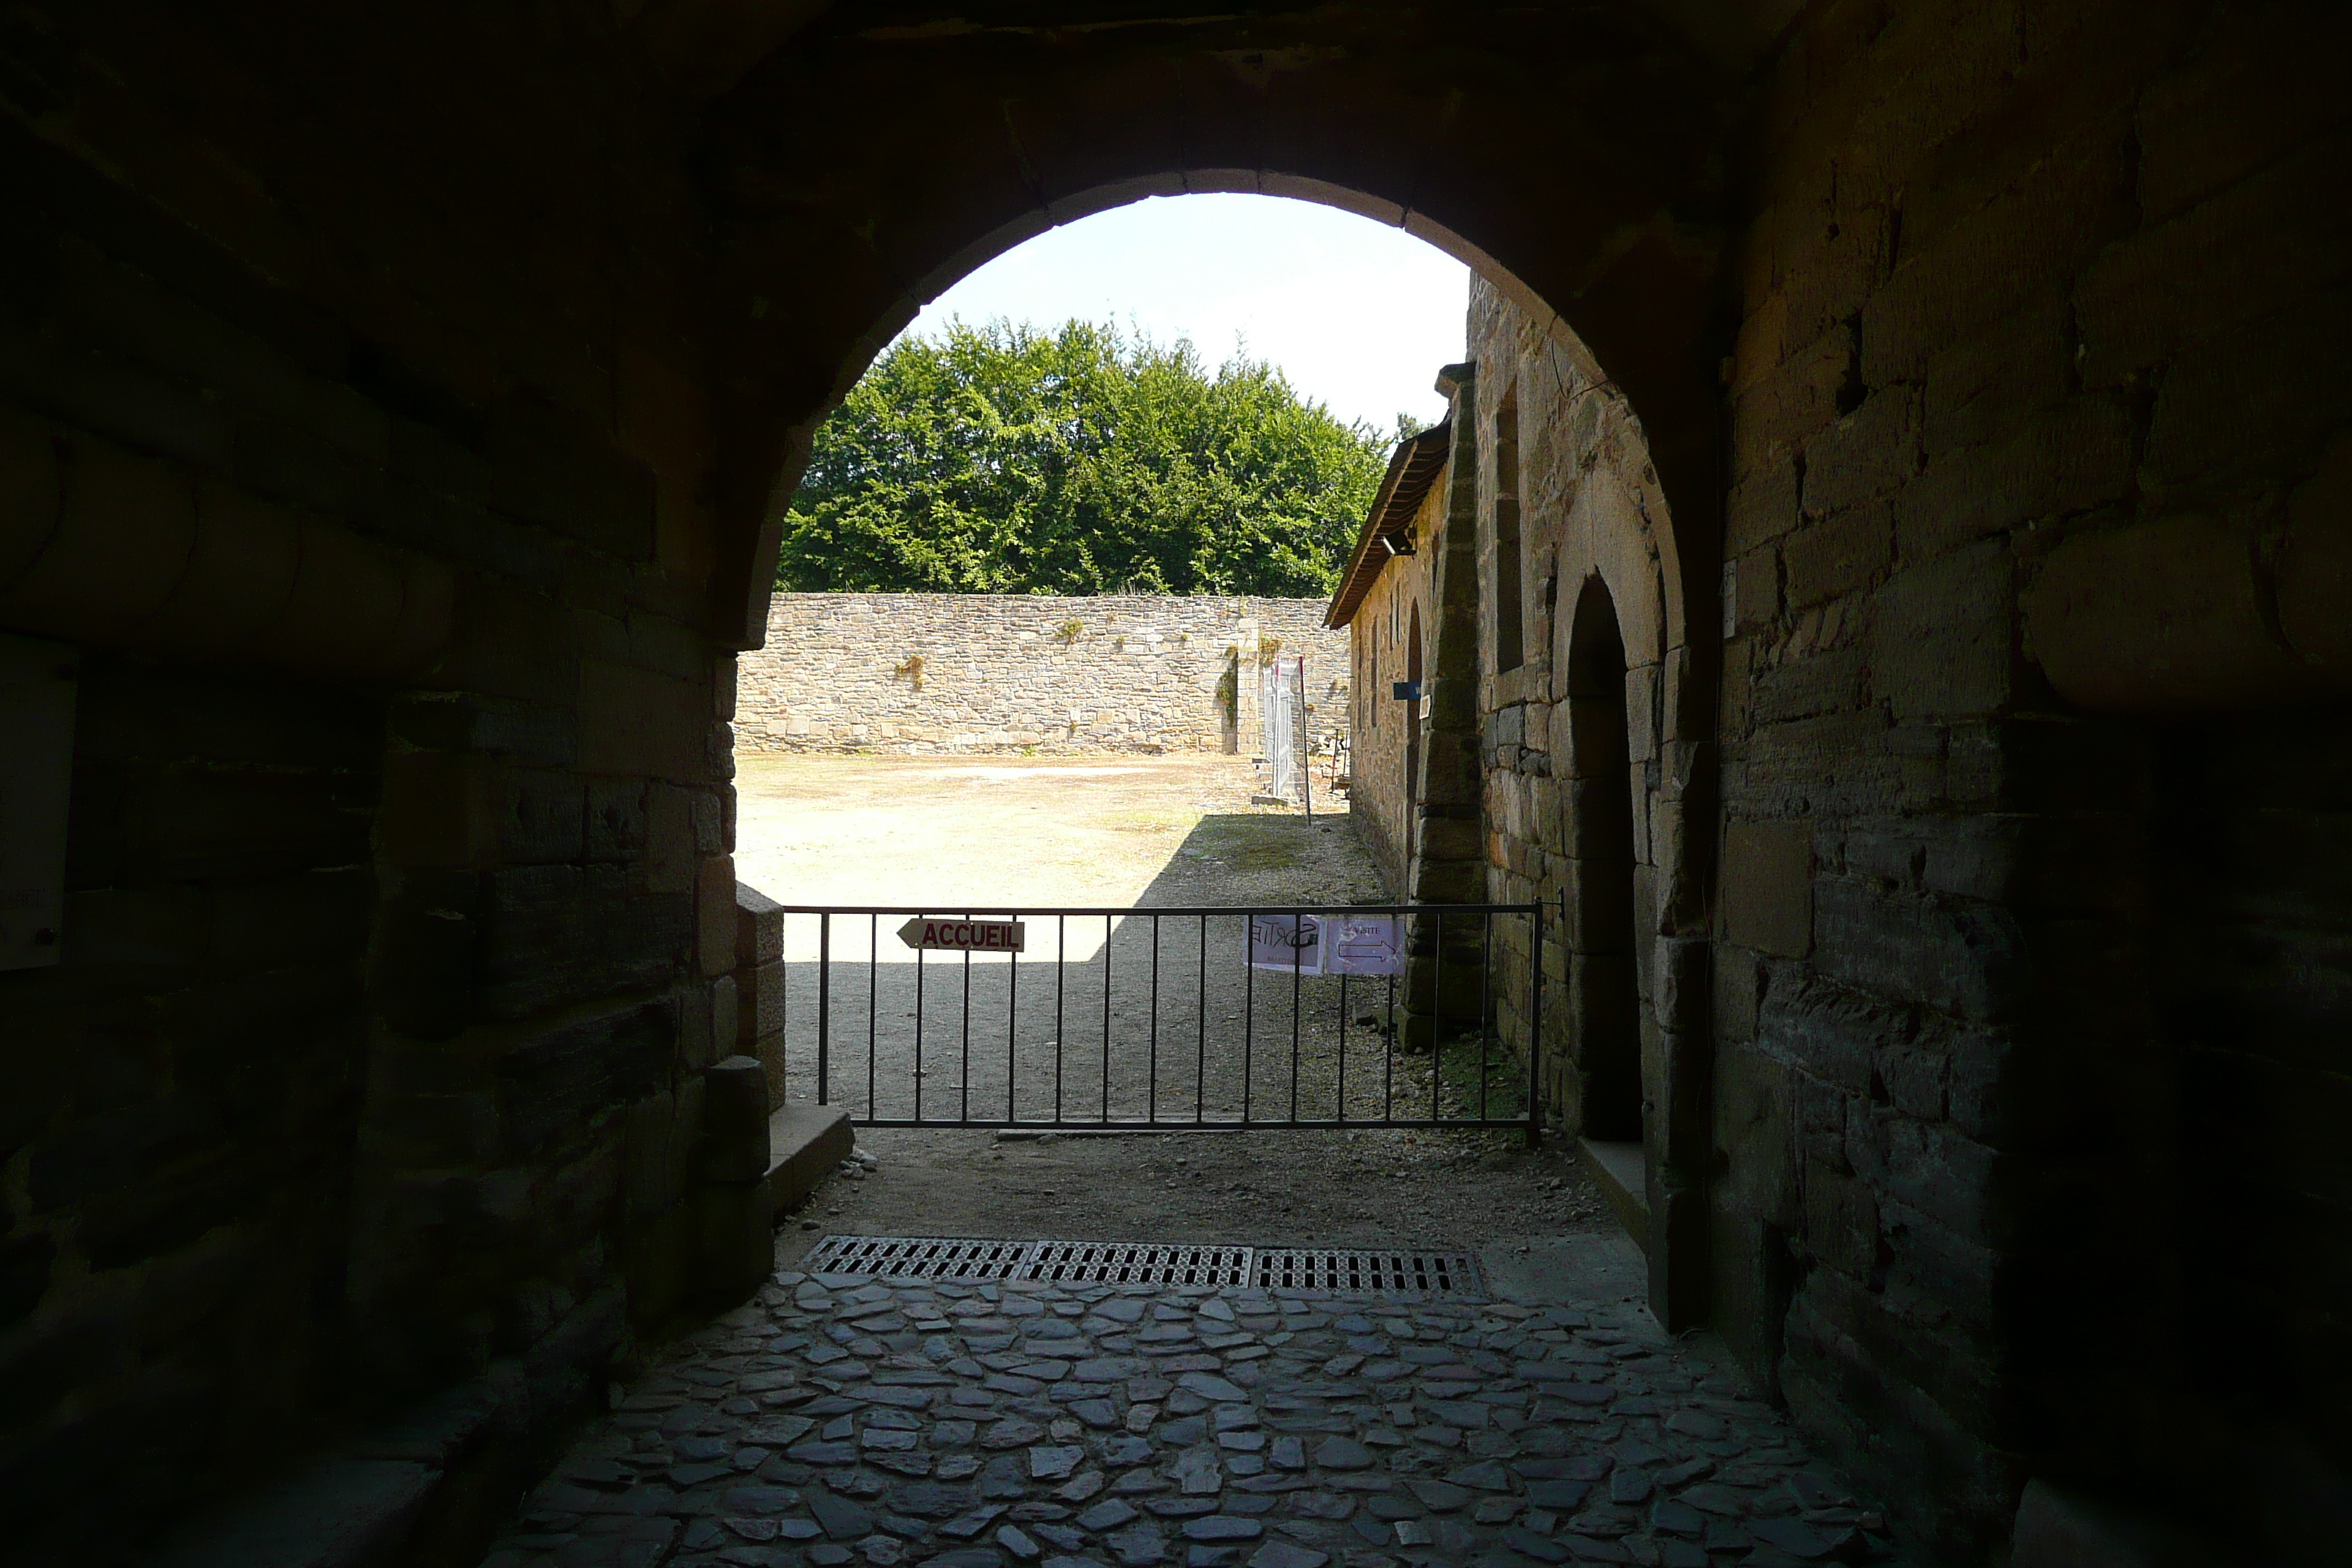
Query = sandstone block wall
x=398 y=899
x=1005 y=672
x=1400 y=606
x=2012 y=951
x=1588 y=503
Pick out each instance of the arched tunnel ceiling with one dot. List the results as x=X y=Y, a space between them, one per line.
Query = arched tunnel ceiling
x=1573 y=152
x=703 y=48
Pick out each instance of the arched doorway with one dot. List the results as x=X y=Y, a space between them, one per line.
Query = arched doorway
x=832 y=227
x=1604 y=993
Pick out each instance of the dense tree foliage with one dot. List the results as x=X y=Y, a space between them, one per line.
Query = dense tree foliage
x=1005 y=460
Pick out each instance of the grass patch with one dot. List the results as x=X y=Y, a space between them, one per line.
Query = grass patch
x=1245 y=846
x=1506 y=1078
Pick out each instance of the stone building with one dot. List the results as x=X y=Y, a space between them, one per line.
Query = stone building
x=395 y=403
x=1380 y=602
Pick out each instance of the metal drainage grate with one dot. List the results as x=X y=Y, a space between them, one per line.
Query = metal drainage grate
x=918 y=1257
x=1130 y=1263
x=1343 y=1271
x=1366 y=1272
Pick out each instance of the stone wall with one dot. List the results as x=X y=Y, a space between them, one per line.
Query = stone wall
x=398 y=907
x=1576 y=785
x=1587 y=771
x=1396 y=612
x=2003 y=375
x=1002 y=672
x=395 y=405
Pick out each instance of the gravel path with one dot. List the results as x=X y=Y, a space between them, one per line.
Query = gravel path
x=1296 y=1188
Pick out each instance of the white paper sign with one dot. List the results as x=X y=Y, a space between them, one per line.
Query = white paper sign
x=1363 y=944
x=1292 y=944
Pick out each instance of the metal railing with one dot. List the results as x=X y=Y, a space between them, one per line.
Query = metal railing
x=1382 y=1016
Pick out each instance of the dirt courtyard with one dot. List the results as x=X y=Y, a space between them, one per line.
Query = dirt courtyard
x=997 y=833
x=993 y=831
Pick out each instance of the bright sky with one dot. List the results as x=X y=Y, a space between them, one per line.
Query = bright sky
x=1359 y=315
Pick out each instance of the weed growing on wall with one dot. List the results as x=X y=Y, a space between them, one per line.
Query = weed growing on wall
x=910 y=670
x=1067 y=631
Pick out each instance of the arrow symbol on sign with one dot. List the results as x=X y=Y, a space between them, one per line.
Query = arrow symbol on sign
x=911 y=934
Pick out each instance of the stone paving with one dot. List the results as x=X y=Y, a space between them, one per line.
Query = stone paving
x=841 y=1420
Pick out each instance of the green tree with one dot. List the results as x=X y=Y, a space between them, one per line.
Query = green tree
x=1001 y=459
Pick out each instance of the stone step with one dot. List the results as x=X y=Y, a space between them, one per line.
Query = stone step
x=1618 y=1170
x=414 y=1479
x=340 y=1513
x=804 y=1142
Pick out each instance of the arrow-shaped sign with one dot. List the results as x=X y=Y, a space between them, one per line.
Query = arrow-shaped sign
x=964 y=936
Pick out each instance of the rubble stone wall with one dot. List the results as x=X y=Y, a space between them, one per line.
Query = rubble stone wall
x=1005 y=672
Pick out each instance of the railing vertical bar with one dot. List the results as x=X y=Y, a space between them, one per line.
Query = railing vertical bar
x=784 y=1007
x=1151 y=1086
x=1486 y=978
x=963 y=1103
x=1341 y=1114
x=1061 y=979
x=1437 y=1021
x=1388 y=1033
x=918 y=1033
x=1298 y=981
x=1249 y=1011
x=1106 y=1077
x=1011 y=1024
x=873 y=1008
x=823 y=1004
x=1200 y=1019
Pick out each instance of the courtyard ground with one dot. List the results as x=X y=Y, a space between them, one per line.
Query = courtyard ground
x=992 y=831
x=1538 y=1417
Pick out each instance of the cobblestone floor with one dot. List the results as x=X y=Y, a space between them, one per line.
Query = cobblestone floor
x=839 y=1421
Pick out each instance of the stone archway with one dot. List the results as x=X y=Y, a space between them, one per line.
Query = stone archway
x=1591 y=200
x=1588 y=202
x=1574 y=500
x=865 y=165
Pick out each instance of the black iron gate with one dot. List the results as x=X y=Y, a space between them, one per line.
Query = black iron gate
x=1294 y=1015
